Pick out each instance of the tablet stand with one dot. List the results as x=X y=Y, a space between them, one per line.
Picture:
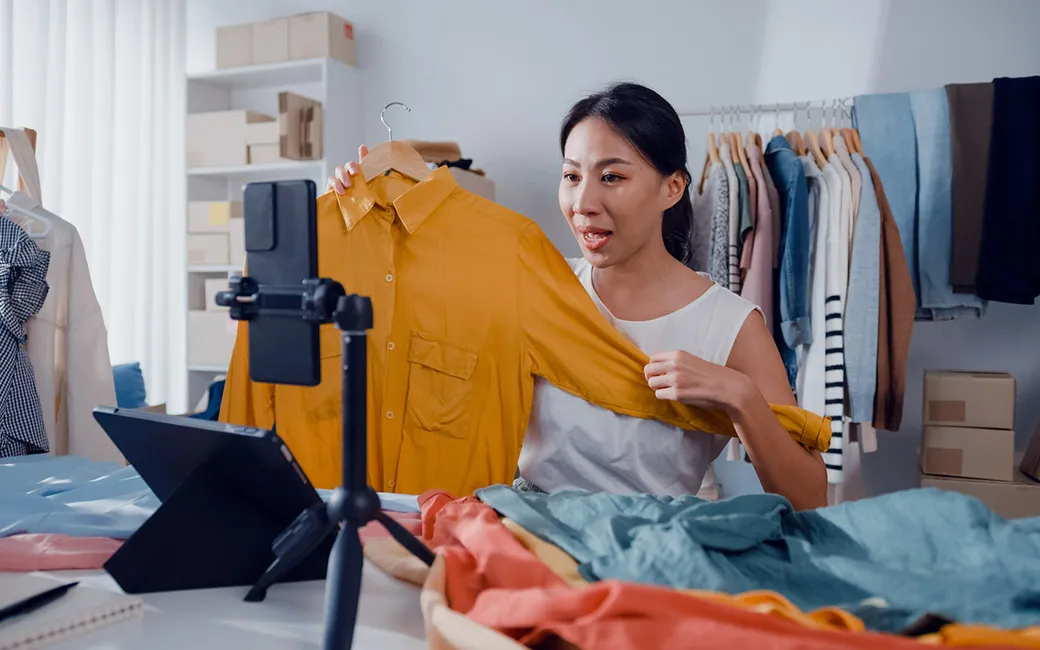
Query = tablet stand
x=354 y=503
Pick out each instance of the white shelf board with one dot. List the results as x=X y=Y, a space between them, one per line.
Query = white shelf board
x=285 y=169
x=208 y=369
x=283 y=73
x=213 y=268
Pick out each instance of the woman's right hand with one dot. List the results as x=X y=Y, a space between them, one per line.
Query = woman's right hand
x=342 y=180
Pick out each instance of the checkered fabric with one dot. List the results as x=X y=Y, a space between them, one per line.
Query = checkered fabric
x=23 y=290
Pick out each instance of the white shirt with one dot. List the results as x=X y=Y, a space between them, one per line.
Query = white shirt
x=572 y=444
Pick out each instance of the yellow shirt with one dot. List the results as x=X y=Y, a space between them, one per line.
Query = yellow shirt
x=471 y=301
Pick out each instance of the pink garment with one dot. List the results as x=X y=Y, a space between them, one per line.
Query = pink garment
x=758 y=283
x=753 y=193
x=53 y=552
x=412 y=522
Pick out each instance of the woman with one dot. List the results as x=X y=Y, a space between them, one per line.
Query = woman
x=624 y=190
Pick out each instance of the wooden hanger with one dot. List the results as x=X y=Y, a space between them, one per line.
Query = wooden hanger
x=31 y=133
x=394 y=156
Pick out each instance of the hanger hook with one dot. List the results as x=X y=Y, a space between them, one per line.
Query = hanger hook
x=382 y=118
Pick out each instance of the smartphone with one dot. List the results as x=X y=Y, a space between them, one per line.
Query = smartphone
x=281 y=253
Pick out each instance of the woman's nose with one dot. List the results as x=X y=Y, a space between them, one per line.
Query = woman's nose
x=585 y=200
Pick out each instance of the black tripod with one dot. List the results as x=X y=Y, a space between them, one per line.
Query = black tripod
x=354 y=503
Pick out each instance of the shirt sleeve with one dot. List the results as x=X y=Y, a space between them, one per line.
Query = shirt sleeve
x=245 y=402
x=570 y=344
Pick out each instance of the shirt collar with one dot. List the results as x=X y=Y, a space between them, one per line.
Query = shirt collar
x=413 y=206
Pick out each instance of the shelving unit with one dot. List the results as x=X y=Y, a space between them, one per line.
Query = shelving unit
x=335 y=84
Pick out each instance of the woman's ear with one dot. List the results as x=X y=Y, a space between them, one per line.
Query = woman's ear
x=675 y=186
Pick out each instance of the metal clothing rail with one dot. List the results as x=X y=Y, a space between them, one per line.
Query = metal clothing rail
x=763 y=109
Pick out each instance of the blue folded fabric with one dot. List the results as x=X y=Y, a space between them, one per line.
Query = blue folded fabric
x=920 y=551
x=85 y=498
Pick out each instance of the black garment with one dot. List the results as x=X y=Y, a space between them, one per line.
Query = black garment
x=1009 y=258
x=23 y=290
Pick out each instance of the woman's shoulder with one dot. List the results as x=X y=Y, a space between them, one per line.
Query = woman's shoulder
x=577 y=264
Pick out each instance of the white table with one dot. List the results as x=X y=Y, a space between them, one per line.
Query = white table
x=291 y=617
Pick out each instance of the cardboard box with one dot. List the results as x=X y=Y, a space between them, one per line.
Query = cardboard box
x=208 y=248
x=970 y=453
x=234 y=46
x=219 y=137
x=260 y=154
x=262 y=133
x=984 y=400
x=1030 y=464
x=299 y=127
x=213 y=287
x=479 y=185
x=237 y=242
x=321 y=34
x=270 y=41
x=212 y=216
x=1011 y=500
x=211 y=337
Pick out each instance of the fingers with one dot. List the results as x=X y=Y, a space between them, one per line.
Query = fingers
x=659 y=381
x=656 y=368
x=362 y=152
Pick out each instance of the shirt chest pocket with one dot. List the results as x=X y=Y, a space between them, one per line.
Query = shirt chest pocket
x=440 y=386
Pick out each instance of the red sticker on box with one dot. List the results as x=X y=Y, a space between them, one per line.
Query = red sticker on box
x=348 y=30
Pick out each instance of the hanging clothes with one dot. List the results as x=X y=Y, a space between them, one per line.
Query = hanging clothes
x=708 y=203
x=747 y=233
x=1009 y=266
x=789 y=176
x=896 y=308
x=758 y=283
x=23 y=290
x=812 y=363
x=722 y=245
x=836 y=285
x=861 y=311
x=886 y=127
x=461 y=330
x=67 y=339
x=971 y=120
x=937 y=299
x=738 y=227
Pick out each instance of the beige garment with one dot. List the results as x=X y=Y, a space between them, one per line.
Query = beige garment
x=435 y=152
x=446 y=629
x=67 y=339
x=854 y=179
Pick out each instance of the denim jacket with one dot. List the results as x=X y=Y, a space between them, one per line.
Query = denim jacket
x=789 y=175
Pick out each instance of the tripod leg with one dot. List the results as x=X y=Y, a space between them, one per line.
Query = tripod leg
x=343 y=588
x=406 y=539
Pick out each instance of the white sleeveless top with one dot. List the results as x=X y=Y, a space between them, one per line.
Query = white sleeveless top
x=572 y=444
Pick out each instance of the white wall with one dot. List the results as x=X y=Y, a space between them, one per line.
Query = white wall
x=497 y=77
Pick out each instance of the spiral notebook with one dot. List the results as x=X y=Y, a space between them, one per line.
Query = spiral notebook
x=81 y=610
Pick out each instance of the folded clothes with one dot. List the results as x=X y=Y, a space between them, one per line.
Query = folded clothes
x=80 y=497
x=917 y=551
x=55 y=552
x=495 y=584
x=435 y=151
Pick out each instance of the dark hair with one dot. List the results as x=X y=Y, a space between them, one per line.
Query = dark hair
x=652 y=126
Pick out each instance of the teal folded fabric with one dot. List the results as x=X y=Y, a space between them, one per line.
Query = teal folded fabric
x=919 y=551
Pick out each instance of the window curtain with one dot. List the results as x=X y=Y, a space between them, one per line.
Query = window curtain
x=102 y=81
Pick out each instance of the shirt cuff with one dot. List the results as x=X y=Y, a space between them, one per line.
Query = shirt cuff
x=797 y=332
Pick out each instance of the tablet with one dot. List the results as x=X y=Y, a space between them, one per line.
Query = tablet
x=227 y=492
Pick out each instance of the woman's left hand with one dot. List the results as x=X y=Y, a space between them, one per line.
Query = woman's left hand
x=683 y=377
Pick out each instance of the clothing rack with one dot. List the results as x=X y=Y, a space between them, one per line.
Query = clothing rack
x=775 y=108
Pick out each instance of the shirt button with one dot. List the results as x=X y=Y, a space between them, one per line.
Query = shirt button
x=389 y=277
x=390 y=345
x=389 y=415
x=390 y=485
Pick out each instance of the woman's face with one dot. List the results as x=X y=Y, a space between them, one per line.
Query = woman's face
x=612 y=197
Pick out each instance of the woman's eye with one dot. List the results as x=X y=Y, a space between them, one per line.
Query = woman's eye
x=569 y=177
x=611 y=178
